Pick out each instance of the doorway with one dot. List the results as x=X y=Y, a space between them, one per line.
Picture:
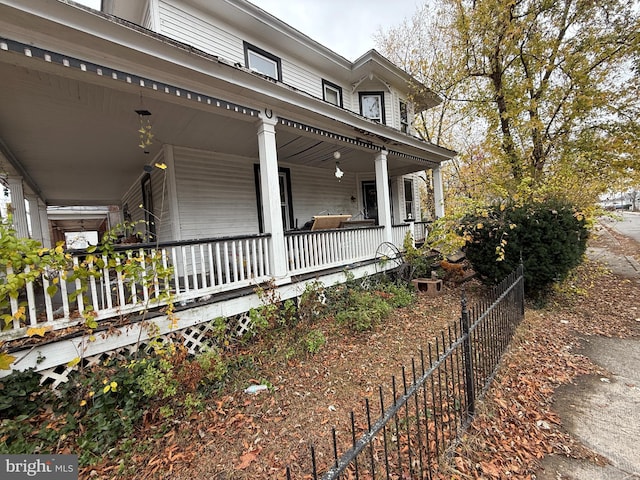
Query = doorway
x=370 y=200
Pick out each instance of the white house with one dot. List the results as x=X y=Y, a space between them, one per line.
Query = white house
x=284 y=161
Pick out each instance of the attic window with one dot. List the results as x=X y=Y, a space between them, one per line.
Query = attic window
x=262 y=62
x=372 y=106
x=331 y=93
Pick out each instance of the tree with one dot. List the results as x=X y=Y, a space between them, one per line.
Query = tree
x=550 y=82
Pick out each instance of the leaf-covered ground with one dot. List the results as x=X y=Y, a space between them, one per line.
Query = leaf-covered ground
x=517 y=425
x=241 y=436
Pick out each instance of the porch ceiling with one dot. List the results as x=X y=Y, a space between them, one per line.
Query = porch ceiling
x=76 y=140
x=79 y=141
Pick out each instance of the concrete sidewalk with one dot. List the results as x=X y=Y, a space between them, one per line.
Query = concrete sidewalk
x=603 y=412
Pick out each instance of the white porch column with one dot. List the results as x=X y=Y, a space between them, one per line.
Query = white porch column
x=44 y=224
x=18 y=209
x=270 y=193
x=438 y=192
x=382 y=190
x=34 y=216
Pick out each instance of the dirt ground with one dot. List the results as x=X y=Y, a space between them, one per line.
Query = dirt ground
x=242 y=436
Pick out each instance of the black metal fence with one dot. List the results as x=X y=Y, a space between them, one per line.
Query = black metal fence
x=433 y=401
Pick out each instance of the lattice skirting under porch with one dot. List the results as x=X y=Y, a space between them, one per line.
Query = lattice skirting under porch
x=195 y=338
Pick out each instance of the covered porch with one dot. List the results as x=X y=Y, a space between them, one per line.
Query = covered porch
x=223 y=167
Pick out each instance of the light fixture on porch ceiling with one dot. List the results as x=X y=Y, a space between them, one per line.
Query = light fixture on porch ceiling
x=338 y=173
x=146 y=135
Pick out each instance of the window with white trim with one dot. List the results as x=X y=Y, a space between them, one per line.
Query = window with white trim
x=262 y=62
x=331 y=93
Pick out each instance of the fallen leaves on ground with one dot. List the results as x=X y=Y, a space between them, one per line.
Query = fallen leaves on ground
x=257 y=437
x=516 y=425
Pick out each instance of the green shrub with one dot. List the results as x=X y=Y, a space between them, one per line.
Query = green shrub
x=22 y=398
x=213 y=365
x=314 y=341
x=99 y=408
x=157 y=379
x=398 y=295
x=363 y=311
x=312 y=303
x=421 y=260
x=550 y=236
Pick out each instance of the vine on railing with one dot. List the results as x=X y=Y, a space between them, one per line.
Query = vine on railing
x=26 y=262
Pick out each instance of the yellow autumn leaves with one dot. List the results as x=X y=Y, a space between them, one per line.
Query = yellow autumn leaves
x=108 y=387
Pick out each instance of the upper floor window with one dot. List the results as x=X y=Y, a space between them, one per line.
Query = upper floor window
x=331 y=93
x=263 y=62
x=372 y=105
x=404 y=117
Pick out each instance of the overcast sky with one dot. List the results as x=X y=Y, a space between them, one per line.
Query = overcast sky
x=345 y=26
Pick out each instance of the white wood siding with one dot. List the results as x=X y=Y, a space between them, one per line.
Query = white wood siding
x=316 y=191
x=200 y=31
x=301 y=78
x=216 y=194
x=133 y=199
x=148 y=20
x=210 y=35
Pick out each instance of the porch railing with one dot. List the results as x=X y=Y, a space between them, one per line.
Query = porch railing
x=186 y=270
x=399 y=232
x=310 y=251
x=420 y=231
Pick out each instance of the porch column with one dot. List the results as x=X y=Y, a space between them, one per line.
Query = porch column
x=44 y=224
x=438 y=192
x=270 y=192
x=382 y=190
x=18 y=208
x=34 y=216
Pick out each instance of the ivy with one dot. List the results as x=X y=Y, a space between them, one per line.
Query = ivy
x=27 y=262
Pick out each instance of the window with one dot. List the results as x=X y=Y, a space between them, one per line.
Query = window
x=408 y=198
x=331 y=93
x=262 y=62
x=372 y=105
x=404 y=117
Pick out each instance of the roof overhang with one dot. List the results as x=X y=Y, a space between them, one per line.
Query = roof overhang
x=71 y=93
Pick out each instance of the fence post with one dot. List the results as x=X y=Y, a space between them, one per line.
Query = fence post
x=521 y=289
x=468 y=359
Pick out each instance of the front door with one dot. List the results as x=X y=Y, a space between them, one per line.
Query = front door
x=285 y=199
x=370 y=199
